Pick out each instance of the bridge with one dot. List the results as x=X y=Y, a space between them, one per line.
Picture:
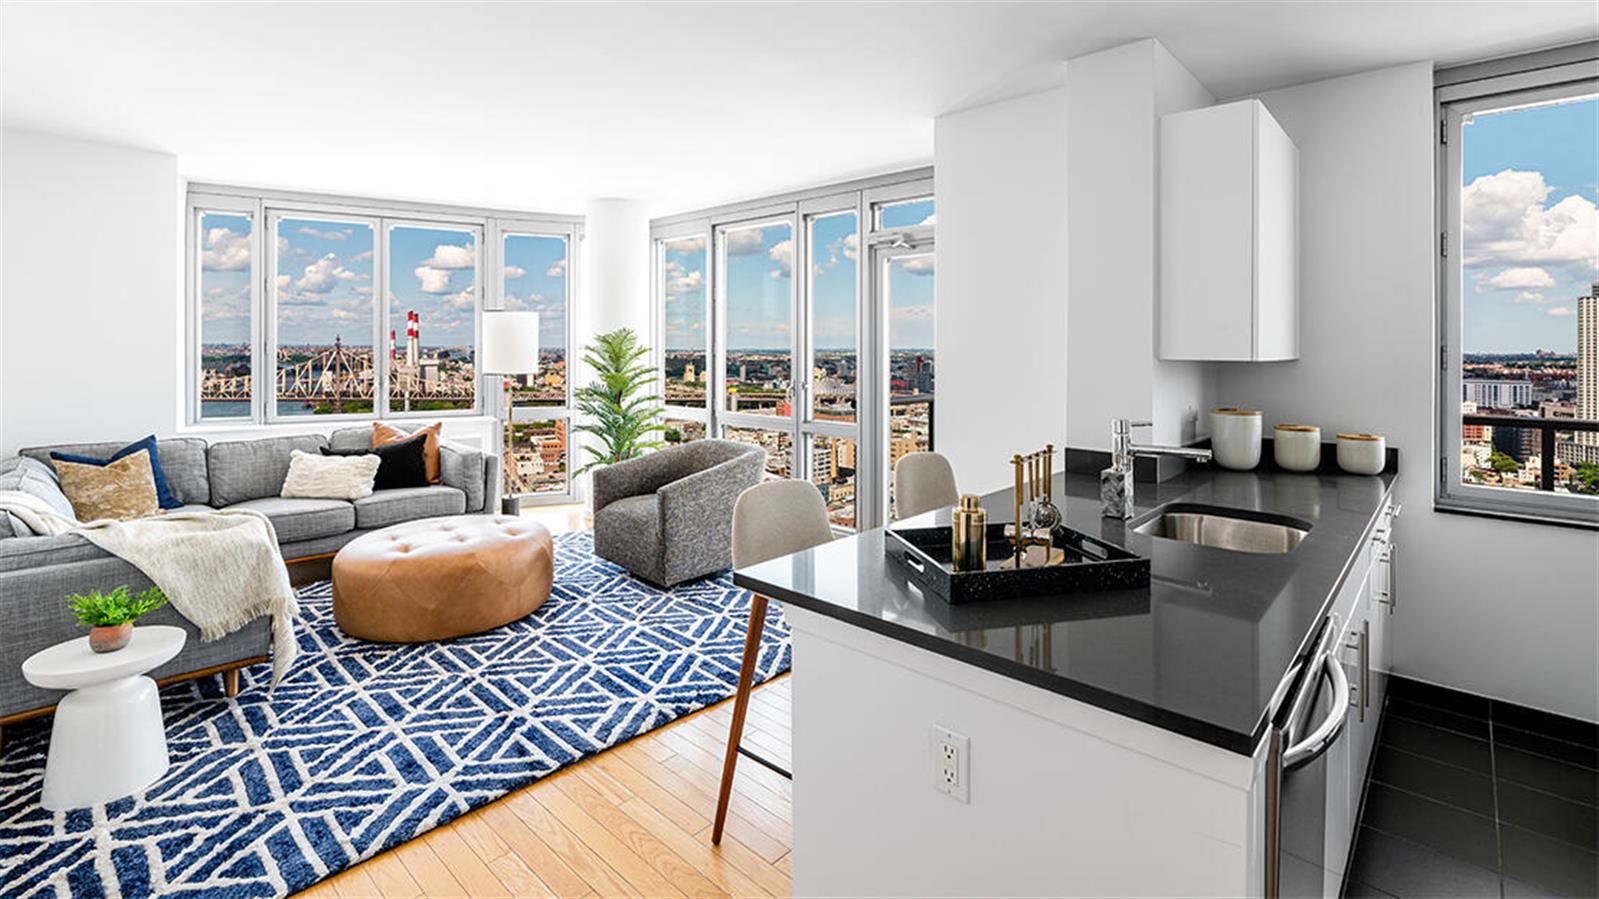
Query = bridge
x=334 y=375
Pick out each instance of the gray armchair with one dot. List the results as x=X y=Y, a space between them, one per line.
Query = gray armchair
x=668 y=517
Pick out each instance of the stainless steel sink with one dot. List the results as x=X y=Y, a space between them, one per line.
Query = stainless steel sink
x=1239 y=530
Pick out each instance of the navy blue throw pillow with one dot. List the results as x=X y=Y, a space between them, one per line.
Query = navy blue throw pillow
x=163 y=493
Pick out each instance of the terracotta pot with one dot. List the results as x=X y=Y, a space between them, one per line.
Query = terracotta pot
x=110 y=638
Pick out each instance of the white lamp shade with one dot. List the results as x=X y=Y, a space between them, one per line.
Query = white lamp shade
x=510 y=343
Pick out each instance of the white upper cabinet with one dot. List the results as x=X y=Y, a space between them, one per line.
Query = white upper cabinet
x=1229 y=235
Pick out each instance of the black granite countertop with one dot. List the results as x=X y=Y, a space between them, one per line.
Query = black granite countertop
x=1199 y=652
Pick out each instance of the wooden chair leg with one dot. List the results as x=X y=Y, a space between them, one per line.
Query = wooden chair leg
x=230 y=681
x=741 y=704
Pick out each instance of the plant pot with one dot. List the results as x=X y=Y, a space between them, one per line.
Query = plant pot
x=110 y=638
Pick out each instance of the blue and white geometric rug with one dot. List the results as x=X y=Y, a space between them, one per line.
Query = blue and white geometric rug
x=366 y=745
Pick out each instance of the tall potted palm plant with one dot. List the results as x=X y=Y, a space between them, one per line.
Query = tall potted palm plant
x=619 y=407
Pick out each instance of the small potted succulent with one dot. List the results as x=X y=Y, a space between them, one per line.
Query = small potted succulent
x=110 y=616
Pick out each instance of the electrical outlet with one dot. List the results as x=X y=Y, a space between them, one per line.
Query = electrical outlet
x=951 y=753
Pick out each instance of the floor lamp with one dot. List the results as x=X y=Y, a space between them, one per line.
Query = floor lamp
x=510 y=347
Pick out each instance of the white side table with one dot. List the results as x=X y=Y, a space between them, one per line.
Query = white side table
x=107 y=741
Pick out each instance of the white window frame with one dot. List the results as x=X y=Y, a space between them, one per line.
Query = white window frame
x=1536 y=82
x=263 y=205
x=870 y=428
x=199 y=206
x=660 y=237
x=493 y=256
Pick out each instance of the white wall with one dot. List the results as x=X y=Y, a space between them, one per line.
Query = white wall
x=1000 y=343
x=1497 y=608
x=92 y=291
x=1116 y=98
x=92 y=299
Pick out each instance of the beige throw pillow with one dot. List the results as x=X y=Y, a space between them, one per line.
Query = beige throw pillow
x=330 y=477
x=122 y=489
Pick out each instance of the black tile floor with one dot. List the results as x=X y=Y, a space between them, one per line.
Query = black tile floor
x=1473 y=797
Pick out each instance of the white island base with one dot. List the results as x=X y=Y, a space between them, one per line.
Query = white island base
x=1065 y=798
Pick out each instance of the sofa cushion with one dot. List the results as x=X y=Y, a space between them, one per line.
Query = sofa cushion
x=120 y=490
x=303 y=519
x=386 y=507
x=402 y=464
x=41 y=552
x=183 y=462
x=252 y=469
x=163 y=493
x=36 y=479
x=627 y=532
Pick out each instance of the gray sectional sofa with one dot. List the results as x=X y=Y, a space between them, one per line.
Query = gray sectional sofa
x=36 y=572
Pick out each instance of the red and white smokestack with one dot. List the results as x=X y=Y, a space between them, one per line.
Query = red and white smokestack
x=391 y=344
x=413 y=336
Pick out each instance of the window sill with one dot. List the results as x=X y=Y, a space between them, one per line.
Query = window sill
x=1580 y=524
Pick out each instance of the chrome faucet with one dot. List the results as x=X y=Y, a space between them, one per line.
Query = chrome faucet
x=1116 y=482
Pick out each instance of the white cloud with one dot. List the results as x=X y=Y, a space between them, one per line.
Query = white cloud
x=745 y=241
x=1559 y=311
x=464 y=299
x=680 y=282
x=782 y=253
x=363 y=256
x=686 y=244
x=557 y=269
x=1529 y=297
x=225 y=251
x=433 y=280
x=852 y=246
x=329 y=234
x=283 y=245
x=449 y=255
x=1515 y=279
x=324 y=274
x=514 y=271
x=912 y=314
x=932 y=219
x=1505 y=222
x=918 y=265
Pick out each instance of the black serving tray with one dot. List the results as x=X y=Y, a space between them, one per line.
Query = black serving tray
x=1090 y=565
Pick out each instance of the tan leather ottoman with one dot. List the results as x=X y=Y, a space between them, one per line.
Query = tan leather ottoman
x=441 y=577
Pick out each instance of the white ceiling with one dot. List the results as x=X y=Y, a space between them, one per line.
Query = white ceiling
x=541 y=106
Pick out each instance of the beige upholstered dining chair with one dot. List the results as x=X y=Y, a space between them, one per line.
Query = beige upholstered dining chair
x=770 y=520
x=923 y=482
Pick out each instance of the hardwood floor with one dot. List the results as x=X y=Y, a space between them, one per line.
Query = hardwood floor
x=634 y=820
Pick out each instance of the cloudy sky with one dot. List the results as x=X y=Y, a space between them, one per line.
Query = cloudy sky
x=1530 y=231
x=535 y=279
x=760 y=270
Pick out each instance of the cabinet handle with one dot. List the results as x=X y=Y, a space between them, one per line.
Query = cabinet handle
x=1392 y=599
x=1358 y=643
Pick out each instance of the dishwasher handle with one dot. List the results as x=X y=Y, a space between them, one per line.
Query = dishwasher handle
x=1328 y=730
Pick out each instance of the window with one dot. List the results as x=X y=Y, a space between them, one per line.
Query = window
x=308 y=306
x=324 y=318
x=789 y=324
x=1519 y=316
x=534 y=277
x=757 y=305
x=686 y=332
x=225 y=297
x=433 y=306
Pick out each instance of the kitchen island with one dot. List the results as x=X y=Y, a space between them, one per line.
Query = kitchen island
x=1116 y=743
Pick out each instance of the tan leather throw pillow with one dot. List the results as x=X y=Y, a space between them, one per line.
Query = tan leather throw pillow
x=122 y=489
x=382 y=434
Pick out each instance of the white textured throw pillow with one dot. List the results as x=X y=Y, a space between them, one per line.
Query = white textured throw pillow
x=330 y=477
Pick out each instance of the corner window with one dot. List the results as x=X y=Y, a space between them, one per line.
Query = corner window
x=1519 y=428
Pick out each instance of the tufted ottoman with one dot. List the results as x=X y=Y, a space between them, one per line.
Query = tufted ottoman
x=441 y=577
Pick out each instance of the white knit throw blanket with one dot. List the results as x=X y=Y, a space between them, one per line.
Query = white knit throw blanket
x=220 y=569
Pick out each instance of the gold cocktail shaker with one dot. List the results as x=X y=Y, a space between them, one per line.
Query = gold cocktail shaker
x=968 y=536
